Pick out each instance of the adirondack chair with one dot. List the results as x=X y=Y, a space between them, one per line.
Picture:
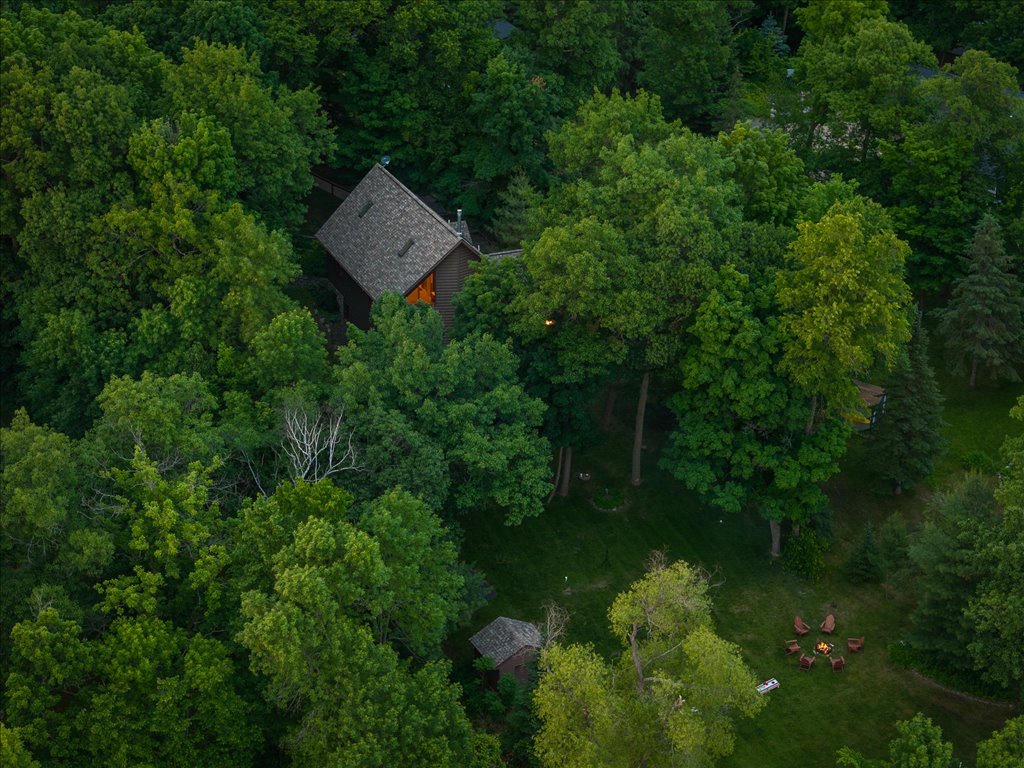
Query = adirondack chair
x=806 y=662
x=855 y=644
x=792 y=646
x=800 y=626
x=838 y=665
x=828 y=626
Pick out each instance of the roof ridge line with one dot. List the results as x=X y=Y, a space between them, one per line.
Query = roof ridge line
x=423 y=205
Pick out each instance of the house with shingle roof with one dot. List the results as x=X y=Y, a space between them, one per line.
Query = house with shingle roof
x=511 y=643
x=385 y=238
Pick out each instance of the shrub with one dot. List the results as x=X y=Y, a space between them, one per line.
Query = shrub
x=980 y=461
x=804 y=555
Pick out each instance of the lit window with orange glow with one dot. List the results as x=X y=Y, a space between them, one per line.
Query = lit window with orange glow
x=423 y=292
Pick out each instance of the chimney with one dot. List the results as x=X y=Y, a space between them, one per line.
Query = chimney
x=458 y=221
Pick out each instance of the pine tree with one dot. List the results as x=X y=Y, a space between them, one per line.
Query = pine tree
x=907 y=438
x=512 y=218
x=864 y=563
x=983 y=326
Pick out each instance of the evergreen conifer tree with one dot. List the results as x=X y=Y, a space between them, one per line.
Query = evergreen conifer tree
x=512 y=218
x=863 y=565
x=907 y=438
x=983 y=326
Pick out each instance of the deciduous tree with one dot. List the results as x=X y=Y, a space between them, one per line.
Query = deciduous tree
x=1005 y=747
x=450 y=421
x=844 y=302
x=739 y=439
x=672 y=695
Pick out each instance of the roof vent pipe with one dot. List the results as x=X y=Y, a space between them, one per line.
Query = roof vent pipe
x=458 y=221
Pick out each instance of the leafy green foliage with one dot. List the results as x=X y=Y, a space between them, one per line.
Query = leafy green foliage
x=353 y=699
x=893 y=546
x=38 y=488
x=918 y=744
x=509 y=113
x=491 y=303
x=995 y=608
x=804 y=554
x=769 y=173
x=844 y=302
x=862 y=86
x=572 y=44
x=130 y=252
x=686 y=56
x=159 y=690
x=1005 y=748
x=424 y=589
x=449 y=421
x=831 y=19
x=948 y=570
x=673 y=694
x=12 y=749
x=276 y=134
x=740 y=438
x=958 y=162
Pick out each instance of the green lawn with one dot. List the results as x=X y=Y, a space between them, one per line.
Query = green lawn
x=812 y=713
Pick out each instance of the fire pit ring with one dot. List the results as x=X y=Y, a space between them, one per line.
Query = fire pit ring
x=823 y=647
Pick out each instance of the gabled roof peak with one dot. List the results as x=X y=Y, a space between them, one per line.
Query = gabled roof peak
x=385 y=236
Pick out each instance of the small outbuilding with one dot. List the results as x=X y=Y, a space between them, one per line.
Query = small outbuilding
x=511 y=643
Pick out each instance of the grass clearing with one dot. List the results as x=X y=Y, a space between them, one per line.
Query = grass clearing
x=581 y=557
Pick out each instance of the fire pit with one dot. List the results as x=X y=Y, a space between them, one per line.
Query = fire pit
x=823 y=648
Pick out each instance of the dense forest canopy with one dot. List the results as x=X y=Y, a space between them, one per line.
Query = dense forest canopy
x=228 y=539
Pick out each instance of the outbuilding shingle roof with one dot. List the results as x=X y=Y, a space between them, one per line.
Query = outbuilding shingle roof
x=385 y=237
x=504 y=637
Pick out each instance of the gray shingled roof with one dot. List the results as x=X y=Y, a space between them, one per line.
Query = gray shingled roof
x=367 y=246
x=505 y=637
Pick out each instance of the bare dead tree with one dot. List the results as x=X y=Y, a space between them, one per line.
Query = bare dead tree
x=556 y=619
x=316 y=444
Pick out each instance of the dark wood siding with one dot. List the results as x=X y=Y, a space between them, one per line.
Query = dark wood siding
x=357 y=303
x=518 y=663
x=450 y=275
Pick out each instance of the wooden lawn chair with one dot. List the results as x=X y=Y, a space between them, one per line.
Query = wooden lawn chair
x=828 y=626
x=838 y=665
x=806 y=662
x=792 y=646
x=800 y=626
x=855 y=644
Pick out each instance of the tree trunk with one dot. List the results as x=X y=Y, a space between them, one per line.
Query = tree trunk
x=899 y=488
x=563 y=486
x=637 y=663
x=785 y=19
x=638 y=432
x=609 y=407
x=776 y=530
x=974 y=370
x=814 y=412
x=558 y=476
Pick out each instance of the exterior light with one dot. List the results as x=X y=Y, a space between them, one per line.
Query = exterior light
x=549 y=322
